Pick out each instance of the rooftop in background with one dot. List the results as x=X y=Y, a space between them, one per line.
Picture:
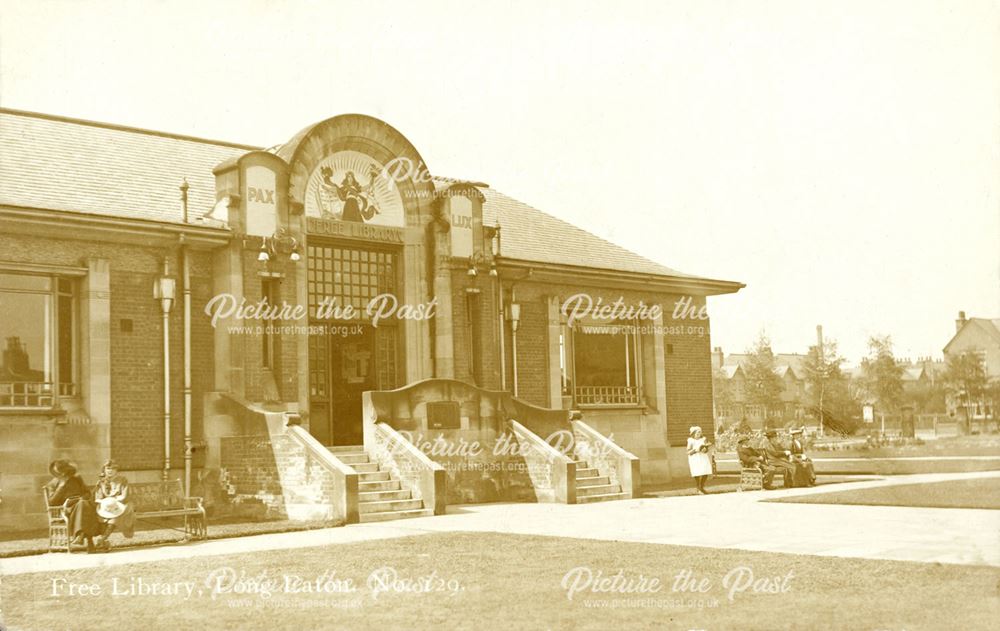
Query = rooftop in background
x=62 y=164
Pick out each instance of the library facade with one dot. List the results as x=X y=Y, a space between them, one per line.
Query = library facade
x=311 y=330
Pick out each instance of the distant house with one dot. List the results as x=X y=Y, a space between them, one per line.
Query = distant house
x=979 y=337
x=732 y=404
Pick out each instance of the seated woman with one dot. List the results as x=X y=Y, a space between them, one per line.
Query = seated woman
x=68 y=490
x=805 y=473
x=114 y=508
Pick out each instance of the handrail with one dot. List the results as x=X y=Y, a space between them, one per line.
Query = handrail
x=537 y=441
x=563 y=469
x=407 y=446
x=317 y=449
x=606 y=442
x=346 y=501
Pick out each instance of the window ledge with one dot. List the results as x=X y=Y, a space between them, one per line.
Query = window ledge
x=32 y=412
x=613 y=406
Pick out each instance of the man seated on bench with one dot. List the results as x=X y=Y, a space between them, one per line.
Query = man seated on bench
x=750 y=458
x=779 y=457
x=113 y=506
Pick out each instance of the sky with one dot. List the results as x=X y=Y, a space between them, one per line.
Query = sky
x=840 y=158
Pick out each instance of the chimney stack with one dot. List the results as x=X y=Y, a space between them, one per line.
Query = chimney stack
x=717 y=357
x=960 y=322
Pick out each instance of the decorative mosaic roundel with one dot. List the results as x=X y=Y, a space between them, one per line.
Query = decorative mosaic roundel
x=351 y=186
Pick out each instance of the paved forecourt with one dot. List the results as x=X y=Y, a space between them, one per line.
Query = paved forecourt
x=724 y=520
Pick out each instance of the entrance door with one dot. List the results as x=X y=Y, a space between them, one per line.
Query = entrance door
x=347 y=357
x=352 y=371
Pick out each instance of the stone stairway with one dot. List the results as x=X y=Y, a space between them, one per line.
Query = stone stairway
x=380 y=495
x=591 y=486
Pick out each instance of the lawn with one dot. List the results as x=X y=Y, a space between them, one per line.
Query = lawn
x=465 y=580
x=974 y=493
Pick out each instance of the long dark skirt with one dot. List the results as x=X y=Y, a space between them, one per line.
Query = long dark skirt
x=804 y=473
x=83 y=520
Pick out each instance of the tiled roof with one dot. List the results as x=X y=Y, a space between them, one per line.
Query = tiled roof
x=59 y=164
x=529 y=234
x=990 y=325
x=783 y=362
x=54 y=163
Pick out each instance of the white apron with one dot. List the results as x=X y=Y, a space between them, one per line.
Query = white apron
x=699 y=462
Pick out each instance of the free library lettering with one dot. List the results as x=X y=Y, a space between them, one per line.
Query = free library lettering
x=310 y=331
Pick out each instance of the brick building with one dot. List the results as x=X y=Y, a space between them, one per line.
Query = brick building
x=472 y=286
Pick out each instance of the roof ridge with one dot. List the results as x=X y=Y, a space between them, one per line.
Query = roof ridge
x=128 y=128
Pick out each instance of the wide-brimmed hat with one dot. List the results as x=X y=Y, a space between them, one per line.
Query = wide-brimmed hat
x=110 y=507
x=62 y=468
x=797 y=430
x=693 y=429
x=742 y=439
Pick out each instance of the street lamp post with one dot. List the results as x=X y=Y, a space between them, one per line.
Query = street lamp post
x=165 y=290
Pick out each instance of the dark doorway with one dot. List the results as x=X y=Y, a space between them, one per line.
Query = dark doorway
x=352 y=371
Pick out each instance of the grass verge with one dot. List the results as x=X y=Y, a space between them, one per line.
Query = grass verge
x=466 y=580
x=973 y=493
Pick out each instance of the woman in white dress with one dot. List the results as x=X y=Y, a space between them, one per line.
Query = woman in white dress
x=699 y=461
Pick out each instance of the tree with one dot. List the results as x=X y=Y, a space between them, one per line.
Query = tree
x=927 y=398
x=722 y=392
x=763 y=385
x=883 y=376
x=965 y=379
x=822 y=368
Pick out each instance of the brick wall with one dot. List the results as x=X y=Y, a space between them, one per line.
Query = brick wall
x=688 y=363
x=137 y=356
x=487 y=356
x=532 y=346
x=273 y=477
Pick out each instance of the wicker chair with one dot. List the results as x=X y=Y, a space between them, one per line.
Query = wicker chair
x=58 y=525
x=751 y=479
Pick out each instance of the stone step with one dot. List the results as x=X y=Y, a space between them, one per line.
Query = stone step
x=381 y=496
x=593 y=481
x=607 y=497
x=380 y=485
x=364 y=467
x=581 y=464
x=389 y=506
x=352 y=459
x=365 y=518
x=373 y=476
x=597 y=489
x=587 y=473
x=346 y=448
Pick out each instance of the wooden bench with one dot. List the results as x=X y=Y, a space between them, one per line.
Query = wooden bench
x=149 y=500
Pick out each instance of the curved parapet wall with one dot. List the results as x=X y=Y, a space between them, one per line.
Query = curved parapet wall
x=406 y=408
